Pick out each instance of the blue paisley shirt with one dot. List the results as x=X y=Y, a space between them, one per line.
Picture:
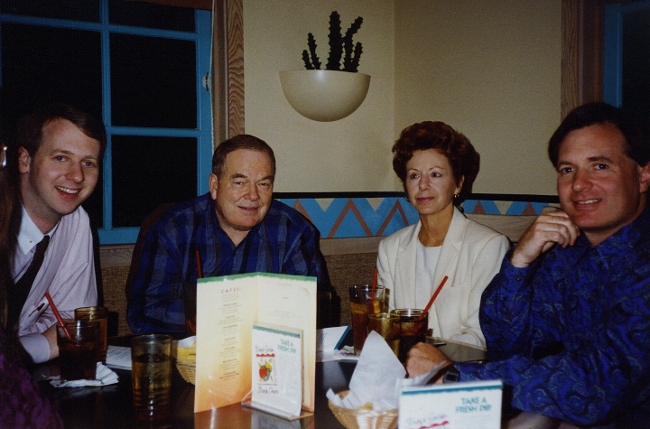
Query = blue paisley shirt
x=284 y=242
x=571 y=333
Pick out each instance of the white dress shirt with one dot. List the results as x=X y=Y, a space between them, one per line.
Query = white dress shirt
x=68 y=273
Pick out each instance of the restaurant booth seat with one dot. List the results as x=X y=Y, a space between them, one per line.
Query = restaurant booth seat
x=349 y=261
x=344 y=270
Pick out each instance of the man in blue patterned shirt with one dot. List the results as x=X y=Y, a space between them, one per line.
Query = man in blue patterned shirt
x=567 y=319
x=235 y=228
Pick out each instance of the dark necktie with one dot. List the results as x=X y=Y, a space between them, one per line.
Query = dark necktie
x=17 y=294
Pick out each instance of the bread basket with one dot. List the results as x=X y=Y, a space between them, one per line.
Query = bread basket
x=186 y=362
x=364 y=418
x=187 y=371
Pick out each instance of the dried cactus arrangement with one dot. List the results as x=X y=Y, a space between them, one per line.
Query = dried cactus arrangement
x=339 y=44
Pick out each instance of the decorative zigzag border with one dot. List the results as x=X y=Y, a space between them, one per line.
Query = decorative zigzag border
x=379 y=214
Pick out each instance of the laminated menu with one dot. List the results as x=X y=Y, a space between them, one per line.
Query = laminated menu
x=227 y=309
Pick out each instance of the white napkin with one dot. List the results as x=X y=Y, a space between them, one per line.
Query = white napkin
x=118 y=357
x=328 y=341
x=104 y=376
x=187 y=342
x=378 y=377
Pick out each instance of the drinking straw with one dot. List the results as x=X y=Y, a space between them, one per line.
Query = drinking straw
x=374 y=283
x=375 y=303
x=433 y=298
x=198 y=264
x=58 y=316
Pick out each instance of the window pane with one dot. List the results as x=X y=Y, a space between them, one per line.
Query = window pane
x=94 y=205
x=80 y=10
x=42 y=64
x=636 y=62
x=150 y=15
x=149 y=171
x=153 y=82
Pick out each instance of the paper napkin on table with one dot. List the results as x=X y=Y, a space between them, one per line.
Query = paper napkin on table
x=118 y=357
x=328 y=344
x=104 y=376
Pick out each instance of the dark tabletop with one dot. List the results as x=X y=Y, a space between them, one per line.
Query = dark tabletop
x=111 y=406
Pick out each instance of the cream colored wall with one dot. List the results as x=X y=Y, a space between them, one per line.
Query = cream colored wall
x=489 y=69
x=351 y=154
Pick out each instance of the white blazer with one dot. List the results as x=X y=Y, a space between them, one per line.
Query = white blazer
x=471 y=255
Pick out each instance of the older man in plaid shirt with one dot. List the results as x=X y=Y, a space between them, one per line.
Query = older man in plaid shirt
x=235 y=228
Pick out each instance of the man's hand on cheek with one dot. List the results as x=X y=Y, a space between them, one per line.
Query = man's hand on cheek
x=546 y=231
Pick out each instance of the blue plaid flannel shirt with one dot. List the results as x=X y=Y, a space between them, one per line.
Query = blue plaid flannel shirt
x=284 y=242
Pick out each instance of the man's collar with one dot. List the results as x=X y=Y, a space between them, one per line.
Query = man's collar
x=630 y=233
x=29 y=234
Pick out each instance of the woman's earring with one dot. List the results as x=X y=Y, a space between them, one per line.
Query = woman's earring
x=456 y=196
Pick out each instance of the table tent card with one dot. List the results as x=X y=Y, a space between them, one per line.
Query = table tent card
x=277 y=370
x=227 y=309
x=466 y=405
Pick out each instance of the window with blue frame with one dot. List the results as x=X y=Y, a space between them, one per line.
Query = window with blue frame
x=138 y=66
x=627 y=56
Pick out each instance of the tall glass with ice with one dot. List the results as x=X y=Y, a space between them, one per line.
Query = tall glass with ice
x=364 y=300
x=100 y=314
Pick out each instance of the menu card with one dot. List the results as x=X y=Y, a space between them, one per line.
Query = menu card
x=227 y=309
x=277 y=370
x=466 y=405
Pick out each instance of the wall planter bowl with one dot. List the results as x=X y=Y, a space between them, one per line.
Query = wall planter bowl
x=324 y=95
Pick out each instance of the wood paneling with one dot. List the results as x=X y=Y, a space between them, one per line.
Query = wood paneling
x=582 y=52
x=235 y=77
x=228 y=69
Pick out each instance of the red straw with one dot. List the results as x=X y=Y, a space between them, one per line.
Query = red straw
x=198 y=264
x=374 y=284
x=58 y=316
x=433 y=298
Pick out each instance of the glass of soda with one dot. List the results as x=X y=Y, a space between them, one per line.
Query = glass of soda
x=79 y=344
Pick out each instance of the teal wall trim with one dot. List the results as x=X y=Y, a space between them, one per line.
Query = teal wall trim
x=377 y=216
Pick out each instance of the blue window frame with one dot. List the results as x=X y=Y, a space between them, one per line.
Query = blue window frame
x=626 y=71
x=141 y=68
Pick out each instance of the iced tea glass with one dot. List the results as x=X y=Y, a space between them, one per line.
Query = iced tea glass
x=100 y=314
x=152 y=376
x=388 y=326
x=363 y=301
x=78 y=346
x=413 y=329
